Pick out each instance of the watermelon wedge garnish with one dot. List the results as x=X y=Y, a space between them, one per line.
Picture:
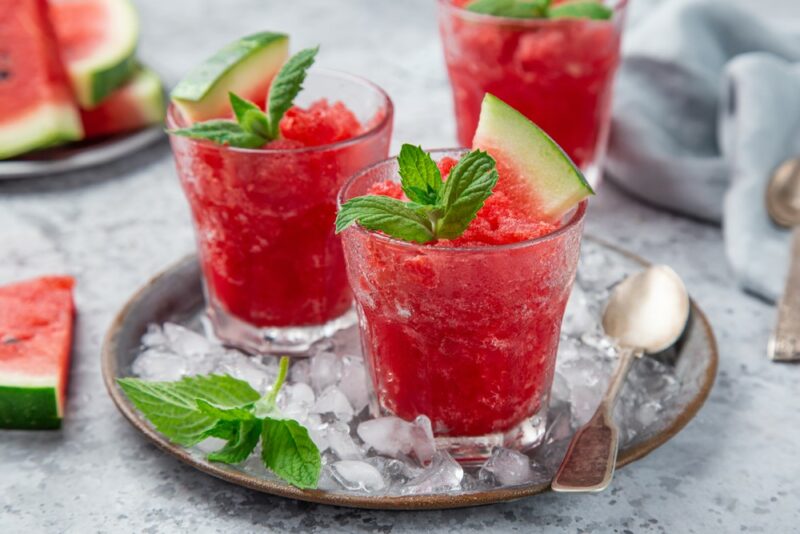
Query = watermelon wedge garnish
x=36 y=105
x=98 y=41
x=534 y=171
x=138 y=103
x=36 y=319
x=245 y=67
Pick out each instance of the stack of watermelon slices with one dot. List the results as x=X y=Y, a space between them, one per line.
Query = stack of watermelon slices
x=68 y=72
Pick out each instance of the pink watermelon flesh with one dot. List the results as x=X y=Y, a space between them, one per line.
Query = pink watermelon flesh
x=136 y=104
x=36 y=104
x=36 y=320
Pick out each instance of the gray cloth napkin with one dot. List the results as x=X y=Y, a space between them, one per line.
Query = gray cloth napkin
x=707 y=104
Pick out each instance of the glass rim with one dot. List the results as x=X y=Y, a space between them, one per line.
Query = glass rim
x=577 y=215
x=617 y=6
x=172 y=121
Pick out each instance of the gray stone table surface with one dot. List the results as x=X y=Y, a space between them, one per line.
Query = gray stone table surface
x=734 y=468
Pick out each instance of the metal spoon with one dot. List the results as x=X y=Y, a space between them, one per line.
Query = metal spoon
x=783 y=206
x=647 y=312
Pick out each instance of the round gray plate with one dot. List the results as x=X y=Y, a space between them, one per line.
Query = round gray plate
x=77 y=156
x=176 y=296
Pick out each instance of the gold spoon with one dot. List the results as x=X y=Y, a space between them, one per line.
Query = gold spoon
x=647 y=313
x=783 y=206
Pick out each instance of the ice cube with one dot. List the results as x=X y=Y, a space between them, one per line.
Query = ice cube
x=395 y=437
x=341 y=442
x=443 y=475
x=154 y=337
x=332 y=400
x=325 y=370
x=354 y=384
x=357 y=476
x=317 y=431
x=238 y=365
x=508 y=467
x=300 y=371
x=184 y=341
x=159 y=365
x=578 y=317
x=296 y=401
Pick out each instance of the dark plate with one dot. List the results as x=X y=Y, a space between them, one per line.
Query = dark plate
x=80 y=155
x=176 y=295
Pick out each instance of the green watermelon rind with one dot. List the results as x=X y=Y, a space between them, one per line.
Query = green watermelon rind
x=203 y=93
x=97 y=76
x=47 y=125
x=150 y=101
x=29 y=407
x=555 y=183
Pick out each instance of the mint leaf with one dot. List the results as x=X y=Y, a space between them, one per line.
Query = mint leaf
x=467 y=187
x=510 y=8
x=266 y=405
x=285 y=87
x=225 y=414
x=580 y=10
x=420 y=177
x=172 y=406
x=388 y=215
x=250 y=117
x=223 y=132
x=240 y=444
x=288 y=451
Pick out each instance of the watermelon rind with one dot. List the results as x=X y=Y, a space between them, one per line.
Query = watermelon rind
x=241 y=66
x=145 y=87
x=96 y=76
x=45 y=125
x=29 y=403
x=553 y=183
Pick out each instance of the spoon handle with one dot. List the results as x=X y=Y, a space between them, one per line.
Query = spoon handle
x=592 y=453
x=785 y=343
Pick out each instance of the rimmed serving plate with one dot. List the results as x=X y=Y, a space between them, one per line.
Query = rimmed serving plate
x=80 y=155
x=175 y=295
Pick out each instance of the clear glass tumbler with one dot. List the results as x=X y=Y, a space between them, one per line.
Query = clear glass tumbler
x=559 y=73
x=465 y=335
x=273 y=270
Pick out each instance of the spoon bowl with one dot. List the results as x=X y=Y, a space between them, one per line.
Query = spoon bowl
x=783 y=194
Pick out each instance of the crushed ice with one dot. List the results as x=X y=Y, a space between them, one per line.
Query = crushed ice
x=329 y=394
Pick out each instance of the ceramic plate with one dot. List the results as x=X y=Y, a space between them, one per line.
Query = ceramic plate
x=176 y=296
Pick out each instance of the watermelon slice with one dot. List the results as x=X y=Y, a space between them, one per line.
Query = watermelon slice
x=36 y=104
x=533 y=169
x=138 y=103
x=98 y=44
x=245 y=67
x=36 y=319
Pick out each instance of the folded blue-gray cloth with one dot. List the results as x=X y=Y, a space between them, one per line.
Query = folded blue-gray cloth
x=706 y=106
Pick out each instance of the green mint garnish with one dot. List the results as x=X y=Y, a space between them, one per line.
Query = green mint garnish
x=438 y=209
x=580 y=10
x=195 y=408
x=286 y=86
x=536 y=9
x=511 y=8
x=253 y=128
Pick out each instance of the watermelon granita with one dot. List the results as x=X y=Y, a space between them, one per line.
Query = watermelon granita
x=36 y=319
x=264 y=215
x=557 y=72
x=36 y=104
x=466 y=330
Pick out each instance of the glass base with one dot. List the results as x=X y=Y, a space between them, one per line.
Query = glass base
x=283 y=341
x=476 y=449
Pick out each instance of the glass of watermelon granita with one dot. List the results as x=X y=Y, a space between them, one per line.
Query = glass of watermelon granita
x=273 y=268
x=557 y=72
x=464 y=331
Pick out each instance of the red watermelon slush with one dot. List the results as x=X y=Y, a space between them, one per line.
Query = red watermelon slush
x=264 y=217
x=463 y=331
x=558 y=73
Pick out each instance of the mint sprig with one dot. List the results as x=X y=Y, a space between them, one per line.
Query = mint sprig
x=252 y=127
x=438 y=209
x=195 y=408
x=537 y=9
